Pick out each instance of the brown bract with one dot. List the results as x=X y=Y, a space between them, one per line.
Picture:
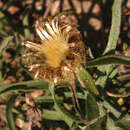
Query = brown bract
x=60 y=49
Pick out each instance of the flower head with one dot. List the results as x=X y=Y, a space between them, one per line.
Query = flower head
x=61 y=49
x=54 y=43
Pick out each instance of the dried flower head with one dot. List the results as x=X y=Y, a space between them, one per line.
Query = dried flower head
x=61 y=49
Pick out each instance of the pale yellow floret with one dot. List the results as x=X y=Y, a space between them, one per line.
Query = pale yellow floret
x=55 y=50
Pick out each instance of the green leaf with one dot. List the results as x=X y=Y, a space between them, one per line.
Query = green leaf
x=65 y=115
x=112 y=41
x=1 y=66
x=86 y=80
x=111 y=108
x=5 y=44
x=1 y=15
x=9 y=114
x=51 y=115
x=125 y=46
x=3 y=22
x=112 y=59
x=92 y=111
x=127 y=85
x=25 y=86
x=115 y=27
x=26 y=24
x=110 y=125
x=79 y=95
x=48 y=99
x=125 y=124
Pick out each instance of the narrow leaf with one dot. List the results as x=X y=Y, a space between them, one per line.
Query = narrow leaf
x=26 y=24
x=24 y=86
x=110 y=125
x=115 y=27
x=108 y=106
x=124 y=123
x=92 y=111
x=86 y=80
x=48 y=99
x=112 y=41
x=51 y=115
x=65 y=115
x=112 y=59
x=79 y=95
x=1 y=66
x=9 y=114
x=4 y=44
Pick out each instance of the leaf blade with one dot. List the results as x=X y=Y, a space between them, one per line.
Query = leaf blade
x=5 y=44
x=105 y=60
x=25 y=86
x=86 y=80
x=9 y=114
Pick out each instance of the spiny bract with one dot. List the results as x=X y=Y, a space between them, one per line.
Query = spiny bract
x=61 y=49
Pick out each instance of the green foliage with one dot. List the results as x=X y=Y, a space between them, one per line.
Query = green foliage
x=4 y=45
x=66 y=116
x=86 y=80
x=97 y=92
x=112 y=40
x=24 y=86
x=9 y=113
x=26 y=24
x=115 y=28
x=111 y=59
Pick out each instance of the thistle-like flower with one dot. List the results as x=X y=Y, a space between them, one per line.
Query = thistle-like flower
x=61 y=49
